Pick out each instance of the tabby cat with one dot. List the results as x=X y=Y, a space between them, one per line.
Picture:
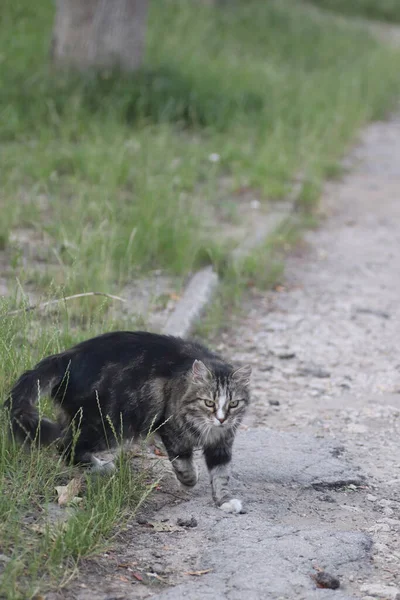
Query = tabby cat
x=123 y=384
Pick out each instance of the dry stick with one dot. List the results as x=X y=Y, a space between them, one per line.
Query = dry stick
x=56 y=301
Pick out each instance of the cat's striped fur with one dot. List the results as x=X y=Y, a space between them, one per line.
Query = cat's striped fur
x=122 y=384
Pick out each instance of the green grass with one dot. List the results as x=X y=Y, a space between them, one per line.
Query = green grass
x=382 y=10
x=44 y=553
x=261 y=269
x=112 y=174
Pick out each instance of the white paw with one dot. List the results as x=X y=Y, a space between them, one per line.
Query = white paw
x=102 y=466
x=233 y=506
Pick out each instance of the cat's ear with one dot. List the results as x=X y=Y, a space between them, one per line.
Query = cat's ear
x=242 y=375
x=200 y=373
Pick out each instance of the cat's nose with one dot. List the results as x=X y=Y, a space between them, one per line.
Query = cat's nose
x=221 y=419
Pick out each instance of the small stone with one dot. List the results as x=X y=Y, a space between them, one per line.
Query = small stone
x=192 y=522
x=314 y=372
x=286 y=355
x=326 y=580
x=384 y=502
x=377 y=590
x=274 y=402
x=158 y=568
x=141 y=521
x=357 y=428
x=4 y=558
x=326 y=498
x=379 y=527
x=370 y=311
x=371 y=498
x=389 y=512
x=389 y=521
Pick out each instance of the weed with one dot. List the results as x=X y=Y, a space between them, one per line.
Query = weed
x=115 y=172
x=41 y=543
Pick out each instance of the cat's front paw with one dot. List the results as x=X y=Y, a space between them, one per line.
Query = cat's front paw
x=187 y=480
x=232 y=506
x=186 y=472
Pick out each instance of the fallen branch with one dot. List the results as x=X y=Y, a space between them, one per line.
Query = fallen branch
x=57 y=300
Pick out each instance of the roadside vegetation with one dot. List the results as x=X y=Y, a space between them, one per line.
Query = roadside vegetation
x=108 y=177
x=113 y=175
x=43 y=535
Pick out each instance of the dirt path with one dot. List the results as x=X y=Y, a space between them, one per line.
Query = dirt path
x=318 y=465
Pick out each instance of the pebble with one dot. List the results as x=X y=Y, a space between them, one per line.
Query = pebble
x=326 y=498
x=379 y=527
x=384 y=502
x=4 y=558
x=357 y=428
x=378 y=547
x=371 y=498
x=158 y=568
x=381 y=591
x=192 y=522
x=286 y=355
x=274 y=402
x=326 y=580
x=314 y=372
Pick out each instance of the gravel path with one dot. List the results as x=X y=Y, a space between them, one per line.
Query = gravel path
x=318 y=461
x=325 y=346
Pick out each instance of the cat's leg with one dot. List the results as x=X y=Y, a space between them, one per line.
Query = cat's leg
x=181 y=457
x=101 y=466
x=218 y=459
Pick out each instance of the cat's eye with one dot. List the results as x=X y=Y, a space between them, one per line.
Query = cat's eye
x=234 y=403
x=209 y=403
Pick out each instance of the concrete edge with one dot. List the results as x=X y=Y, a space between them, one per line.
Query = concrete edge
x=203 y=286
x=197 y=295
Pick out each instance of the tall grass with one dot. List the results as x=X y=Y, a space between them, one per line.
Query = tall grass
x=113 y=173
x=41 y=545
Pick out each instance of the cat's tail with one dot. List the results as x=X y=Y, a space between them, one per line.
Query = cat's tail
x=27 y=424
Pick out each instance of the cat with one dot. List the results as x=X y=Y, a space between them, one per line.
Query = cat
x=123 y=384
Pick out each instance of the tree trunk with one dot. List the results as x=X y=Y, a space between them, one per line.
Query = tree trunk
x=99 y=34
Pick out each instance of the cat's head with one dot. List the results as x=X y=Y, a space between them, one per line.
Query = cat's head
x=218 y=396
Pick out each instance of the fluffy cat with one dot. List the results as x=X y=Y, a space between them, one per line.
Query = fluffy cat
x=123 y=384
